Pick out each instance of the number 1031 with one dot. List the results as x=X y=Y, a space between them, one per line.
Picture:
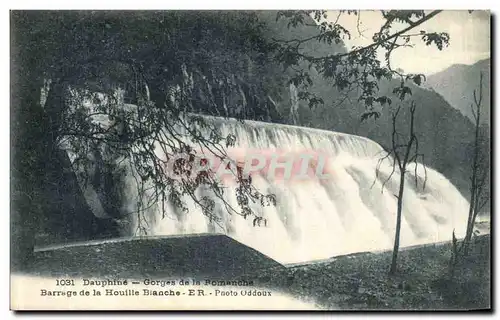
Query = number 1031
x=65 y=282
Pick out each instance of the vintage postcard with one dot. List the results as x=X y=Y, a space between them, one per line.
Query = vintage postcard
x=250 y=160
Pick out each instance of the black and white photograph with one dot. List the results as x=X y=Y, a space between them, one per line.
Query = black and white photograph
x=193 y=160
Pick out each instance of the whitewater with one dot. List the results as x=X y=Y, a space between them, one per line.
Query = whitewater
x=354 y=210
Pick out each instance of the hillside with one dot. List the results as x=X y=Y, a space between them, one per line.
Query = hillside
x=457 y=84
x=445 y=135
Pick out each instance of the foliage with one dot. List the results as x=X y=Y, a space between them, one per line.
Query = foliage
x=360 y=68
x=97 y=62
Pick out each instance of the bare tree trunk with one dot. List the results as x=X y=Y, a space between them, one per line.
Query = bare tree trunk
x=474 y=197
x=395 y=250
x=470 y=224
x=403 y=152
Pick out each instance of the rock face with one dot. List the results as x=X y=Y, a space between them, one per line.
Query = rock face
x=67 y=215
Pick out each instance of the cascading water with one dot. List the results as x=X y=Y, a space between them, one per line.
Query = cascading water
x=319 y=218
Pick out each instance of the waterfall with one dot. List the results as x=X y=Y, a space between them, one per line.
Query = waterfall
x=347 y=205
x=353 y=210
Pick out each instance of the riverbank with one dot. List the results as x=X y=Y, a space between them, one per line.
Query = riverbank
x=353 y=282
x=361 y=281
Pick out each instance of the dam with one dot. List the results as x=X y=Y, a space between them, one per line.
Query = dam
x=353 y=210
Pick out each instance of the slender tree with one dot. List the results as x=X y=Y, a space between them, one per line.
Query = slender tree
x=479 y=187
x=403 y=152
